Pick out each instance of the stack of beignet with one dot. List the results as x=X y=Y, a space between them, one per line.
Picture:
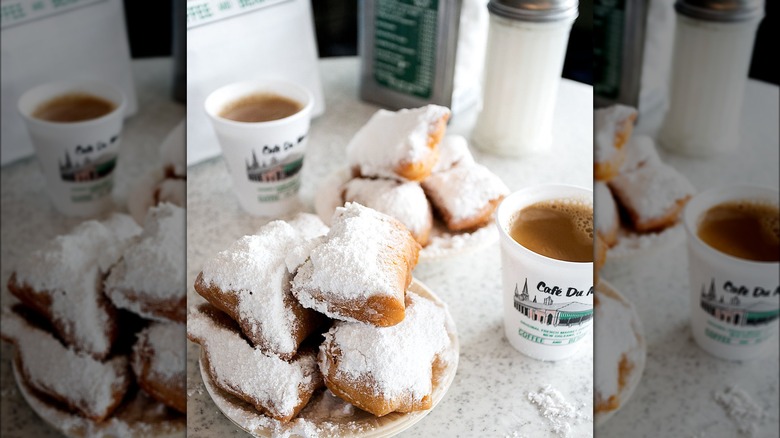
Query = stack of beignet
x=634 y=189
x=87 y=299
x=271 y=297
x=402 y=164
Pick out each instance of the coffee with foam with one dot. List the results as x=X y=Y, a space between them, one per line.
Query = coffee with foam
x=744 y=229
x=561 y=229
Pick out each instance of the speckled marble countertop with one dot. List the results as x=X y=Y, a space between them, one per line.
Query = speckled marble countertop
x=675 y=397
x=29 y=219
x=489 y=396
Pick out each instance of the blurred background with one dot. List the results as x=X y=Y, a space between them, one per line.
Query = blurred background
x=336 y=24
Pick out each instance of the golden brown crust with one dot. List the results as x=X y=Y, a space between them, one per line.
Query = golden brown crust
x=305 y=396
x=611 y=403
x=645 y=224
x=72 y=405
x=361 y=393
x=607 y=169
x=171 y=310
x=170 y=392
x=398 y=257
x=478 y=220
x=624 y=131
x=41 y=302
x=610 y=237
x=419 y=170
x=309 y=321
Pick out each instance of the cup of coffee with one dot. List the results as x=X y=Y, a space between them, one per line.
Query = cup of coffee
x=734 y=265
x=263 y=127
x=76 y=129
x=546 y=236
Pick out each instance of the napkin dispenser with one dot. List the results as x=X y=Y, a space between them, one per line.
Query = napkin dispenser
x=238 y=40
x=45 y=41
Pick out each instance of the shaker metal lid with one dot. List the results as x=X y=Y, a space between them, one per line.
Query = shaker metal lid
x=721 y=10
x=535 y=10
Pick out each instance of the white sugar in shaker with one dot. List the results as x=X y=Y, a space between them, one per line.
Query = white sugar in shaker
x=526 y=48
x=712 y=48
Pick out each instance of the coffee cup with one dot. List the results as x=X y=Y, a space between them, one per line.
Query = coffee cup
x=76 y=129
x=263 y=146
x=548 y=301
x=734 y=289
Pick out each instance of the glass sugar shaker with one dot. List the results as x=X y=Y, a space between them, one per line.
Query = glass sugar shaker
x=712 y=47
x=526 y=47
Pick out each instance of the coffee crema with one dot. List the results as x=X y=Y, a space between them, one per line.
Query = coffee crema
x=746 y=229
x=261 y=107
x=560 y=229
x=74 y=107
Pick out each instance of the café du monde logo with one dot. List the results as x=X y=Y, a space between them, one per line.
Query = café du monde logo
x=732 y=310
x=89 y=162
x=271 y=169
x=549 y=312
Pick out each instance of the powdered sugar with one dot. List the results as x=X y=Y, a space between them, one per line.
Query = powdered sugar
x=464 y=190
x=441 y=243
x=403 y=201
x=153 y=267
x=554 y=407
x=235 y=364
x=254 y=270
x=165 y=342
x=141 y=196
x=640 y=150
x=309 y=225
x=453 y=150
x=397 y=360
x=651 y=191
x=70 y=270
x=93 y=386
x=298 y=254
x=746 y=414
x=607 y=121
x=389 y=139
x=352 y=263
x=313 y=231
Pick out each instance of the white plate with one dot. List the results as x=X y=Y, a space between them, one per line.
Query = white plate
x=140 y=416
x=326 y=414
x=442 y=244
x=639 y=359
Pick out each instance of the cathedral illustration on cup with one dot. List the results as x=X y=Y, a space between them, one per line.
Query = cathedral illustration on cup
x=550 y=313
x=273 y=170
x=733 y=312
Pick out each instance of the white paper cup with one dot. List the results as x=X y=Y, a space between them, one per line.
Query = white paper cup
x=734 y=302
x=548 y=303
x=264 y=158
x=78 y=159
